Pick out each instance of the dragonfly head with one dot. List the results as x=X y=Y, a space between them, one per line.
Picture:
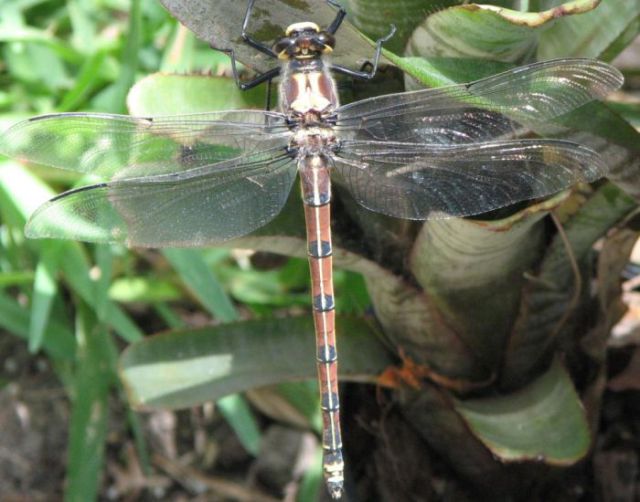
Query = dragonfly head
x=304 y=41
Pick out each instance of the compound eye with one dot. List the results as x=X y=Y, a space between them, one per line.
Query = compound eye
x=326 y=40
x=282 y=47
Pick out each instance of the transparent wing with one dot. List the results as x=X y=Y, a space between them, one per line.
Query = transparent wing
x=419 y=182
x=202 y=206
x=496 y=107
x=119 y=146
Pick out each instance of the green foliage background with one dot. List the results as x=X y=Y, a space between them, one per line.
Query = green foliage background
x=78 y=303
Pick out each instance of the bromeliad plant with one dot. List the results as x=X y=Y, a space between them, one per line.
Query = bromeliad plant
x=488 y=334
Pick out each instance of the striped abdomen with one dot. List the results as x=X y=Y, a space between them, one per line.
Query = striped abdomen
x=316 y=194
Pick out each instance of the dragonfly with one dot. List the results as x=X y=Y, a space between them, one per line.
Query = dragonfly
x=203 y=179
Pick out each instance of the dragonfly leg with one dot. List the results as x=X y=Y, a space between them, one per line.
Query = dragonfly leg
x=335 y=24
x=249 y=39
x=267 y=106
x=362 y=74
x=259 y=79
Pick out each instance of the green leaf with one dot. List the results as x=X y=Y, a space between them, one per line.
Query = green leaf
x=161 y=94
x=373 y=17
x=25 y=34
x=608 y=28
x=199 y=278
x=143 y=289
x=551 y=295
x=77 y=272
x=624 y=40
x=600 y=122
x=238 y=415
x=25 y=192
x=459 y=260
x=488 y=32
x=542 y=422
x=45 y=289
x=352 y=292
x=101 y=277
x=58 y=341
x=629 y=111
x=88 y=427
x=85 y=83
x=441 y=71
x=185 y=368
x=115 y=99
x=173 y=320
x=255 y=287
x=83 y=29
x=16 y=278
x=38 y=63
x=480 y=438
x=303 y=396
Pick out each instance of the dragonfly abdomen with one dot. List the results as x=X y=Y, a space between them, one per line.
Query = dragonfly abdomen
x=316 y=195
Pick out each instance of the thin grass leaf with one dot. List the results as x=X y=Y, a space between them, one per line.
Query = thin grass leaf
x=142 y=448
x=304 y=397
x=101 y=277
x=202 y=282
x=115 y=98
x=88 y=427
x=77 y=272
x=85 y=83
x=144 y=289
x=58 y=341
x=16 y=278
x=45 y=288
x=239 y=416
x=169 y=316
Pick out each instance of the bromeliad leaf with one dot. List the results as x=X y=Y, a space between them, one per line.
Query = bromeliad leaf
x=185 y=368
x=488 y=32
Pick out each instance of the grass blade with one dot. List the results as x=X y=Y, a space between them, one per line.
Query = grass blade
x=88 y=428
x=203 y=284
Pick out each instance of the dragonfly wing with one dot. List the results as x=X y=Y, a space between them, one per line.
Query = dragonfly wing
x=203 y=206
x=497 y=107
x=120 y=146
x=420 y=182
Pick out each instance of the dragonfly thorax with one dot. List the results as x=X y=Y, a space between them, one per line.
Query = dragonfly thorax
x=313 y=141
x=308 y=93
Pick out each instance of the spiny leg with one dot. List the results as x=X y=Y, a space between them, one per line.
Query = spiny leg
x=367 y=75
x=259 y=79
x=335 y=24
x=265 y=49
x=263 y=77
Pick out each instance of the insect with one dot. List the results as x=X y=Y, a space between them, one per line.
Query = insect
x=202 y=179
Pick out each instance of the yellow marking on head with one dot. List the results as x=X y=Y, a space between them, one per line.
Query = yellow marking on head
x=306 y=25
